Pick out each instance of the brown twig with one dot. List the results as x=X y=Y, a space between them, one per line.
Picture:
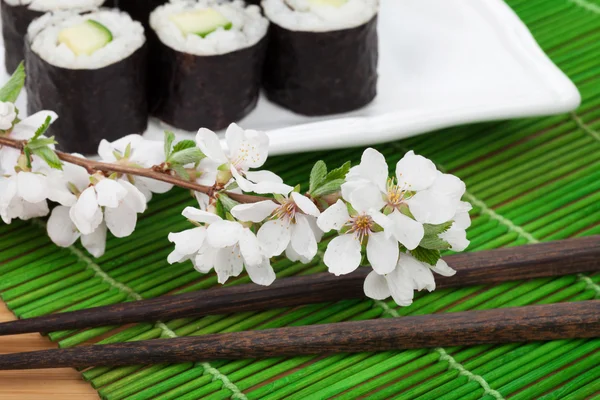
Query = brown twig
x=481 y=268
x=93 y=166
x=504 y=325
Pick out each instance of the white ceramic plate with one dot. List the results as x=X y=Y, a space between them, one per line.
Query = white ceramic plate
x=442 y=63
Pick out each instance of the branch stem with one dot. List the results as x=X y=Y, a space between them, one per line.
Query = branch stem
x=91 y=165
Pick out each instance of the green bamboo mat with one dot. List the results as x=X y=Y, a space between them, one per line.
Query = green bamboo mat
x=529 y=180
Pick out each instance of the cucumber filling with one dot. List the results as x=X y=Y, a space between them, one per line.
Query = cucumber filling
x=200 y=22
x=85 y=38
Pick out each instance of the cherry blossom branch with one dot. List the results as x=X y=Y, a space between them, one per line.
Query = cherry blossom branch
x=93 y=166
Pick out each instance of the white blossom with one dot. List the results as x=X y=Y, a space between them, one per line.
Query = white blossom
x=225 y=246
x=408 y=276
x=247 y=149
x=117 y=203
x=23 y=196
x=8 y=113
x=135 y=151
x=343 y=254
x=63 y=232
x=23 y=130
x=292 y=227
x=456 y=236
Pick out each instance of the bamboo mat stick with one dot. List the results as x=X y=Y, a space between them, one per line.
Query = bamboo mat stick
x=505 y=325
x=486 y=267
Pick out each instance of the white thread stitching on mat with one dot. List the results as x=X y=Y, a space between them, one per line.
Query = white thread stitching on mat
x=470 y=376
x=586 y=5
x=583 y=125
x=589 y=284
x=494 y=215
x=452 y=363
x=216 y=374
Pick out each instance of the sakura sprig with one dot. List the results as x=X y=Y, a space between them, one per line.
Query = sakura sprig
x=246 y=216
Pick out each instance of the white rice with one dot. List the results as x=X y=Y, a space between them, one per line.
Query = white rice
x=301 y=15
x=248 y=27
x=128 y=36
x=57 y=5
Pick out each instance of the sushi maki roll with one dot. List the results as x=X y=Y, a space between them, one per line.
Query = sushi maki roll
x=322 y=55
x=90 y=69
x=140 y=9
x=18 y=14
x=206 y=66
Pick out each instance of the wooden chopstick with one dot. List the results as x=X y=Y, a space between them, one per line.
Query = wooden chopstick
x=505 y=325
x=480 y=268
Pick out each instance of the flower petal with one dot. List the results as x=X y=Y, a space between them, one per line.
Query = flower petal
x=134 y=198
x=292 y=255
x=261 y=274
x=305 y=204
x=443 y=268
x=32 y=187
x=249 y=148
x=462 y=219
x=210 y=145
x=401 y=289
x=86 y=214
x=303 y=239
x=333 y=217
x=60 y=228
x=188 y=241
x=274 y=237
x=33 y=210
x=406 y=230
x=416 y=272
x=376 y=286
x=200 y=215
x=342 y=255
x=257 y=184
x=120 y=220
x=223 y=233
x=373 y=168
x=415 y=172
x=228 y=263
x=95 y=242
x=457 y=238
x=110 y=192
x=254 y=212
x=382 y=253
x=250 y=248
x=366 y=198
x=205 y=260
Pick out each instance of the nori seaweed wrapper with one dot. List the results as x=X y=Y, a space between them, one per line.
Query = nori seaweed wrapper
x=140 y=9
x=321 y=73
x=190 y=91
x=92 y=104
x=15 y=21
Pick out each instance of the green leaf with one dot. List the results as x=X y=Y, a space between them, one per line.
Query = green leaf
x=328 y=188
x=427 y=256
x=11 y=89
x=41 y=142
x=220 y=209
x=431 y=239
x=297 y=188
x=184 y=144
x=42 y=129
x=127 y=153
x=227 y=202
x=49 y=156
x=187 y=156
x=437 y=229
x=339 y=173
x=169 y=138
x=317 y=175
x=180 y=171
